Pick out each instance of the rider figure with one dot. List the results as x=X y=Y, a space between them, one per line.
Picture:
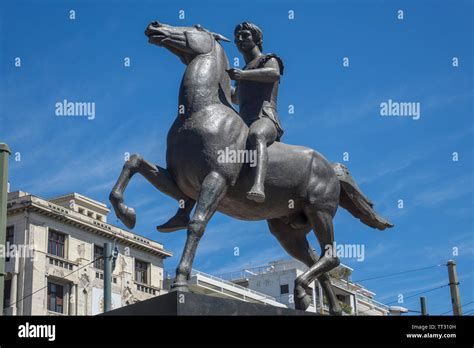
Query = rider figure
x=256 y=93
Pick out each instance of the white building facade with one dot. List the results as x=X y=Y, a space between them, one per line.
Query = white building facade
x=54 y=265
x=278 y=277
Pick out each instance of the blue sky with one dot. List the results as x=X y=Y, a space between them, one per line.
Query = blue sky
x=336 y=111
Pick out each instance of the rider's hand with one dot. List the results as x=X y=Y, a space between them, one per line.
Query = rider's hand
x=235 y=74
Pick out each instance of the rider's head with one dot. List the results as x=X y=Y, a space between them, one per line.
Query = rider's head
x=247 y=36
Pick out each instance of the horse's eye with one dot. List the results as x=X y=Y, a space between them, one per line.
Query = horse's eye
x=198 y=26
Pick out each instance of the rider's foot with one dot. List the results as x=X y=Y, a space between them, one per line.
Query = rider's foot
x=177 y=222
x=256 y=195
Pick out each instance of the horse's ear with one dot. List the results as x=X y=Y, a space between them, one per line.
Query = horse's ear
x=220 y=37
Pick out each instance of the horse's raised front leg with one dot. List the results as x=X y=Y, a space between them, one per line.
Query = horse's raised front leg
x=213 y=189
x=157 y=176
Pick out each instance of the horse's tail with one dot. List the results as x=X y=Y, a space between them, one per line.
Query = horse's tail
x=353 y=200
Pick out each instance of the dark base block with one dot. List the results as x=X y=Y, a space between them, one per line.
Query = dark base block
x=186 y=303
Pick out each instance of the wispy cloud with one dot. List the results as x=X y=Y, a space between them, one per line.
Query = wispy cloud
x=435 y=195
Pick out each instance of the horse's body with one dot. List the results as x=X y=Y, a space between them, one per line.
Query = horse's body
x=301 y=186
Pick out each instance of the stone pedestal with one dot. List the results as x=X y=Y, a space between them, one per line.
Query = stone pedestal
x=185 y=303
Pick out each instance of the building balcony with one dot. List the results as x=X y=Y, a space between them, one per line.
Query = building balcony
x=146 y=288
x=61 y=262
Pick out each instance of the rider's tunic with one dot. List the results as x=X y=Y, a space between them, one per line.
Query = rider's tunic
x=259 y=99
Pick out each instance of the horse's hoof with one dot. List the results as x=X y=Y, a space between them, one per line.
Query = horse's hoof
x=301 y=298
x=302 y=303
x=256 y=196
x=335 y=310
x=180 y=286
x=127 y=216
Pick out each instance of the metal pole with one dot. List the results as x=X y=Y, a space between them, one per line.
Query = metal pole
x=454 y=287
x=4 y=153
x=423 y=305
x=107 y=277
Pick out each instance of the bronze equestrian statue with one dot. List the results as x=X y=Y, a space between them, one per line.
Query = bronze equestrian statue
x=302 y=189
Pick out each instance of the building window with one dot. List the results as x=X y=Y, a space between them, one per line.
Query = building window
x=98 y=257
x=284 y=289
x=56 y=242
x=9 y=241
x=141 y=272
x=55 y=297
x=7 y=288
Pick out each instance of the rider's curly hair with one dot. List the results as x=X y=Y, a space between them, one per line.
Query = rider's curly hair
x=257 y=34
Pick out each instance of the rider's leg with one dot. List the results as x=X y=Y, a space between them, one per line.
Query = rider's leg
x=181 y=219
x=262 y=133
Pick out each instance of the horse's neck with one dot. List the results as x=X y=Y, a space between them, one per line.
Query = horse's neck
x=205 y=81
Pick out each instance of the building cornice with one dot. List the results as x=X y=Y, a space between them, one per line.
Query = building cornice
x=32 y=203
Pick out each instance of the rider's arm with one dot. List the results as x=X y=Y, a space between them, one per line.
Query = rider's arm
x=269 y=73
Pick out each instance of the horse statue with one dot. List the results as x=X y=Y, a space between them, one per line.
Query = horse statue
x=303 y=190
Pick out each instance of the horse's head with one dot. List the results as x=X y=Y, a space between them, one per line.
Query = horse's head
x=185 y=42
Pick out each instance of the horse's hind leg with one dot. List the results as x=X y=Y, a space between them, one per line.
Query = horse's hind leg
x=321 y=222
x=157 y=176
x=296 y=245
x=213 y=189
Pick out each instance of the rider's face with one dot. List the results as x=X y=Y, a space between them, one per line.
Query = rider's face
x=244 y=40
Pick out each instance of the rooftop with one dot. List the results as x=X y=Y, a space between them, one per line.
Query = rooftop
x=282 y=265
x=340 y=275
x=75 y=199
